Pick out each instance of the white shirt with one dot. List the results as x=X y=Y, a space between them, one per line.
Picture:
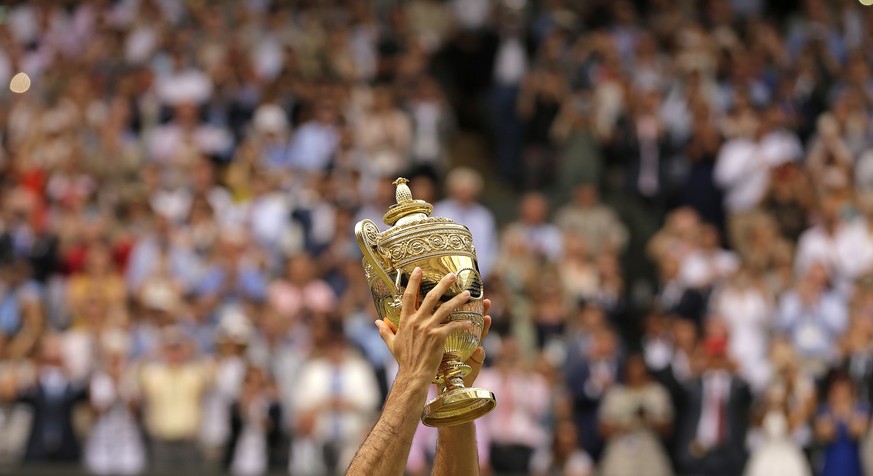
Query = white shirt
x=510 y=64
x=702 y=268
x=813 y=330
x=742 y=173
x=815 y=245
x=716 y=387
x=854 y=249
x=747 y=312
x=355 y=383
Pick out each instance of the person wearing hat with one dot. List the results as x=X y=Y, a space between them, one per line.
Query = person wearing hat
x=714 y=420
x=172 y=393
x=229 y=363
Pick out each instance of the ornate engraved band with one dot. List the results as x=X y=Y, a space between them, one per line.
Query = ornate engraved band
x=424 y=241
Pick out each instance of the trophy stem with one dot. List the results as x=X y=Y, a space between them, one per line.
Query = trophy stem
x=451 y=372
x=456 y=403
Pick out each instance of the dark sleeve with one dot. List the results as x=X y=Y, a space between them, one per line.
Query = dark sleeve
x=81 y=392
x=236 y=424
x=28 y=395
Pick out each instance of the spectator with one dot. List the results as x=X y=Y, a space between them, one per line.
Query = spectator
x=819 y=243
x=638 y=411
x=708 y=265
x=594 y=221
x=712 y=427
x=543 y=238
x=812 y=316
x=777 y=454
x=384 y=135
x=515 y=431
x=564 y=458
x=15 y=419
x=316 y=140
x=840 y=424
x=255 y=419
x=52 y=398
x=464 y=187
x=21 y=310
x=589 y=376
x=231 y=339
x=746 y=307
x=172 y=393
x=335 y=401
x=115 y=444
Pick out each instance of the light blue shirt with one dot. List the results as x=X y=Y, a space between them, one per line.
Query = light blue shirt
x=313 y=146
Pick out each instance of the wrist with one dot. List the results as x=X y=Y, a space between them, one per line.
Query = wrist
x=410 y=380
x=454 y=430
x=410 y=387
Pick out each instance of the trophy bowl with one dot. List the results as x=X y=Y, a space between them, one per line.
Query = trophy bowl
x=438 y=246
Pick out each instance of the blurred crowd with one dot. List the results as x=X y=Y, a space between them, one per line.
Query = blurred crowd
x=671 y=202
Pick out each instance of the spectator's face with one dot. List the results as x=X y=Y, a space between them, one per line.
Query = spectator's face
x=636 y=373
x=575 y=246
x=464 y=193
x=587 y=195
x=534 y=209
x=709 y=237
x=566 y=438
x=203 y=175
x=684 y=333
x=99 y=260
x=424 y=188
x=300 y=269
x=382 y=100
x=8 y=385
x=51 y=354
x=605 y=345
x=175 y=353
x=187 y=114
x=840 y=393
x=593 y=317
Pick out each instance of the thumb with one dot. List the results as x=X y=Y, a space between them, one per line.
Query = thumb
x=385 y=332
x=478 y=355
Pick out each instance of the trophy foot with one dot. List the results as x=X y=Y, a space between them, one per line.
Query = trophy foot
x=458 y=405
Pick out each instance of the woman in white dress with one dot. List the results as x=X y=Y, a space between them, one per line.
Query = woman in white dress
x=777 y=454
x=633 y=416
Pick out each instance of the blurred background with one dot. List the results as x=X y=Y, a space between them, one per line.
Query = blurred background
x=671 y=201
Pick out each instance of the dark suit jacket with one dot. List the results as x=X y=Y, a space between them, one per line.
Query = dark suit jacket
x=52 y=437
x=727 y=459
x=625 y=154
x=586 y=404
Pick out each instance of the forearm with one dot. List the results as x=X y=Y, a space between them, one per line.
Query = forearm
x=386 y=448
x=457 y=451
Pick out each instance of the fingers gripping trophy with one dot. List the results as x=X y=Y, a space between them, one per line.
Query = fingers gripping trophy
x=438 y=246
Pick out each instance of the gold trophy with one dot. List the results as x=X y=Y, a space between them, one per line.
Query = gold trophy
x=438 y=246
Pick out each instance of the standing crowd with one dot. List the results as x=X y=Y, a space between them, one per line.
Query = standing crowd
x=671 y=203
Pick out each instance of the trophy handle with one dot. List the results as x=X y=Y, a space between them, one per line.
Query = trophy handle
x=366 y=232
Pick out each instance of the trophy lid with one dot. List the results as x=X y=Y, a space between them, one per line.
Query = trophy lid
x=406 y=206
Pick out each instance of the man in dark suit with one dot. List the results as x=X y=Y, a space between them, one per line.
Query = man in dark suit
x=591 y=369
x=52 y=398
x=714 y=420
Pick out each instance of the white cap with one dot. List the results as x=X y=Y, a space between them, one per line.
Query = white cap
x=270 y=118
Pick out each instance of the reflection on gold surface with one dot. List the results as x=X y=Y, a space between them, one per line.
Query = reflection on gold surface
x=438 y=246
